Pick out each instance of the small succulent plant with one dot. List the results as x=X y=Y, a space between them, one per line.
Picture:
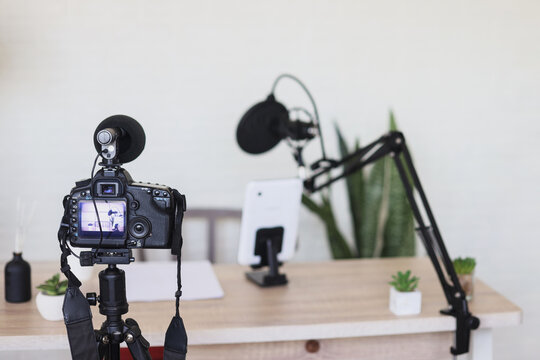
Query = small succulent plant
x=54 y=286
x=403 y=282
x=464 y=266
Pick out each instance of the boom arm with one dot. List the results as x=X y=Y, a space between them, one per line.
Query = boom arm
x=393 y=144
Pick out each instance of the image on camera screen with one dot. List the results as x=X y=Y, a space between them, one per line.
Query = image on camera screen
x=108 y=189
x=112 y=215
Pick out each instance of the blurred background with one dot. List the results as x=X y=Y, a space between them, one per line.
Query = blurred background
x=462 y=78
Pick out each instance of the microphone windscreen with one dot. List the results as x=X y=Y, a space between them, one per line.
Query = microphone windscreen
x=259 y=130
x=130 y=143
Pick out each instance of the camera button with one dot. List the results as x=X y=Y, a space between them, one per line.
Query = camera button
x=74 y=219
x=74 y=201
x=156 y=192
x=83 y=193
x=163 y=203
x=134 y=205
x=73 y=228
x=73 y=211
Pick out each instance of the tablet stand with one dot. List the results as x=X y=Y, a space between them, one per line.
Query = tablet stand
x=268 y=243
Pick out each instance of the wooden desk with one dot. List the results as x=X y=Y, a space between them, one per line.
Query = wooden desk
x=341 y=304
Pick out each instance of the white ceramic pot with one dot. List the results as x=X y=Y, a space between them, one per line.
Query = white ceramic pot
x=467 y=284
x=405 y=303
x=50 y=307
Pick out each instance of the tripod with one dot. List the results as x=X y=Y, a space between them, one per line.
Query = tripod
x=113 y=304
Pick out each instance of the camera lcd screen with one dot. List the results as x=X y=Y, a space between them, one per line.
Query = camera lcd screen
x=112 y=215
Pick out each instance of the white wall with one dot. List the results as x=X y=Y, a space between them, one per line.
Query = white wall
x=463 y=78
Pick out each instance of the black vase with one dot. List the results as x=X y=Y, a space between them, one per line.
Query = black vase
x=18 y=287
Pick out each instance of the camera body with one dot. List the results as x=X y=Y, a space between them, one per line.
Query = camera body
x=132 y=214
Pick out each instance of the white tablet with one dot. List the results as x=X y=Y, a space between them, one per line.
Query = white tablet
x=270 y=204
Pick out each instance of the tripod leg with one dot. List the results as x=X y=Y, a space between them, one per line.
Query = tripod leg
x=102 y=349
x=137 y=344
x=103 y=343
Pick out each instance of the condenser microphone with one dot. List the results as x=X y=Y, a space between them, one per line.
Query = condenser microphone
x=266 y=123
x=120 y=138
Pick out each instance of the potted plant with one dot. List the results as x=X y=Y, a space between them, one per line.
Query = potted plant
x=382 y=220
x=50 y=299
x=405 y=299
x=465 y=271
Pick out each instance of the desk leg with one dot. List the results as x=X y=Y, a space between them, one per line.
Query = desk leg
x=481 y=346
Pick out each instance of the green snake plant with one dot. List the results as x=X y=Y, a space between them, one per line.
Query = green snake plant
x=383 y=223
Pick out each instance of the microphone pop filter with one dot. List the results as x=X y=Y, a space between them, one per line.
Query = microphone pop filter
x=130 y=143
x=259 y=129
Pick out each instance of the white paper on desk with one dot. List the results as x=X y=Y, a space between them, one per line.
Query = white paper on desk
x=156 y=281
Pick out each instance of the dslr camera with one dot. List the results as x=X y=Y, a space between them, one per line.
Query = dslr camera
x=111 y=210
x=131 y=214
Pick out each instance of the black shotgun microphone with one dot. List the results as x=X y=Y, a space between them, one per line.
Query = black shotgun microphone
x=123 y=134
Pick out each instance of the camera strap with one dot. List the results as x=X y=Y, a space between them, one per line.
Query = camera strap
x=64 y=248
x=175 y=347
x=77 y=313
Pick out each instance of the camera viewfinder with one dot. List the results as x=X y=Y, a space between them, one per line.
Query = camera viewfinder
x=107 y=189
